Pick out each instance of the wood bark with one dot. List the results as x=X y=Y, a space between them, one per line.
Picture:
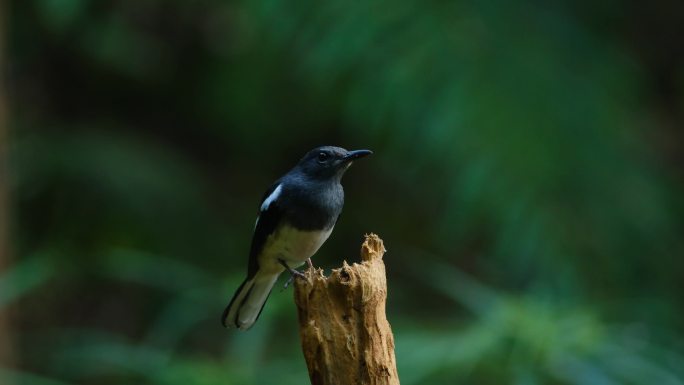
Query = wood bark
x=345 y=335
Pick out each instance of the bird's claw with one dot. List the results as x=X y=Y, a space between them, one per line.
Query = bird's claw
x=293 y=273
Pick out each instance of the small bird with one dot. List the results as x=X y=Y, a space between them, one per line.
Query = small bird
x=297 y=214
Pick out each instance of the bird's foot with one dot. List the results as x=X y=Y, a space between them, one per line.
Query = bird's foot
x=293 y=273
x=288 y=282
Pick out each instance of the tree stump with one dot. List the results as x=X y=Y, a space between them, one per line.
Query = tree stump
x=345 y=335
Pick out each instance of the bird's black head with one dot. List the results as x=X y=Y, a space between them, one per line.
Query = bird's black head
x=329 y=162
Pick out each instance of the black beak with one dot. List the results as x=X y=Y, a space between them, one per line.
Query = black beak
x=351 y=155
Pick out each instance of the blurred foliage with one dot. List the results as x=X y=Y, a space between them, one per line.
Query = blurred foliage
x=527 y=181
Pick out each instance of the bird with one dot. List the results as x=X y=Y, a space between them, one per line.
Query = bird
x=296 y=216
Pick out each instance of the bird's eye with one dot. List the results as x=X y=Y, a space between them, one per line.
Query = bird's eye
x=322 y=157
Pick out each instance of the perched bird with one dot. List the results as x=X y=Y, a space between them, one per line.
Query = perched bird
x=297 y=214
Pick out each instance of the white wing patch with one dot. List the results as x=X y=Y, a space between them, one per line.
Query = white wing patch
x=269 y=199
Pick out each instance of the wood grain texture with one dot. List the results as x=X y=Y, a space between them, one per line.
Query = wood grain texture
x=346 y=338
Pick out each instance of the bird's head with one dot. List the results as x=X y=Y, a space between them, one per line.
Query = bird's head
x=329 y=162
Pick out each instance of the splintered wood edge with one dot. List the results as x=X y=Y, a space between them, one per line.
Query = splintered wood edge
x=312 y=273
x=372 y=248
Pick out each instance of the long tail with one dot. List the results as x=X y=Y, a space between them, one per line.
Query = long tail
x=248 y=301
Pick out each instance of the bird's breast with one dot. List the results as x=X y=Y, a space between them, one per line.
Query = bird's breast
x=292 y=245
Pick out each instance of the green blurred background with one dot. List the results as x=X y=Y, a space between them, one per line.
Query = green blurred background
x=528 y=181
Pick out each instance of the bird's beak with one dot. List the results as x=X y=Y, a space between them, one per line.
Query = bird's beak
x=351 y=155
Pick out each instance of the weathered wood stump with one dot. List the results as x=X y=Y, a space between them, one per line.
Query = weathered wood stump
x=345 y=335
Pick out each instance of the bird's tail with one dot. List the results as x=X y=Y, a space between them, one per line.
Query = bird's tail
x=248 y=301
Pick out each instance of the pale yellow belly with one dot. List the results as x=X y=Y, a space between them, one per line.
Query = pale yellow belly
x=291 y=245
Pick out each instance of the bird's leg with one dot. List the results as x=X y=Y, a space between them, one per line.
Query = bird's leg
x=308 y=262
x=293 y=273
x=291 y=270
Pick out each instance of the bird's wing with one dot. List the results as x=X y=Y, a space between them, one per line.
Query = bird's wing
x=270 y=214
